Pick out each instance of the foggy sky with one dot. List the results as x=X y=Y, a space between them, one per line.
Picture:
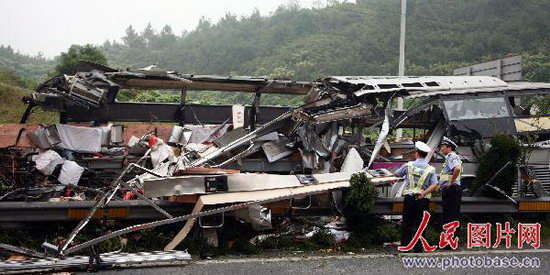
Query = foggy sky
x=51 y=26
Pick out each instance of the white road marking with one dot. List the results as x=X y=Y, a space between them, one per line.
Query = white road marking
x=479 y=252
x=296 y=259
x=371 y=256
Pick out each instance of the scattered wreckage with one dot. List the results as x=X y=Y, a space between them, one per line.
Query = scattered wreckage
x=247 y=159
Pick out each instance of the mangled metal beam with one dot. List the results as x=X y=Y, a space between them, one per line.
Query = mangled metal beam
x=246 y=139
x=351 y=112
x=91 y=96
x=249 y=201
x=242 y=200
x=53 y=265
x=174 y=80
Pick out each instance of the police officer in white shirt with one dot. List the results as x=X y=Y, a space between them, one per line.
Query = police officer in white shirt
x=449 y=178
x=420 y=180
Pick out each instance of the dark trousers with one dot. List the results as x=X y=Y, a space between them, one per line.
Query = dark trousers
x=413 y=210
x=450 y=202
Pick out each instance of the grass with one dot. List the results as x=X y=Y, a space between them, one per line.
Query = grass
x=12 y=108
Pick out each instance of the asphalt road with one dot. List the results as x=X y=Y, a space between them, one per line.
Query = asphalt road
x=351 y=264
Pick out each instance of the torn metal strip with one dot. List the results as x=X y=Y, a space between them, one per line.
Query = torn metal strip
x=343 y=113
x=383 y=132
x=435 y=138
x=107 y=259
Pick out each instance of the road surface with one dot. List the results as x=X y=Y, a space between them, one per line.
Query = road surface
x=384 y=263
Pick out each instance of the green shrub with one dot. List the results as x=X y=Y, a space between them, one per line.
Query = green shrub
x=503 y=149
x=367 y=230
x=360 y=197
x=371 y=231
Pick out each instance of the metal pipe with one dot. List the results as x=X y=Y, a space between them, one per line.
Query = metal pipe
x=154 y=224
x=481 y=188
x=147 y=170
x=115 y=185
x=399 y=133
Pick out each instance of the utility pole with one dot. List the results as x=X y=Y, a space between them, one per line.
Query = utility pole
x=399 y=133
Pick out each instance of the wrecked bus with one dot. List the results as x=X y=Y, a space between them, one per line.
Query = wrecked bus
x=244 y=159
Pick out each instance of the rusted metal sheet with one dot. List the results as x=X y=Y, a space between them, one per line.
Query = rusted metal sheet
x=9 y=133
x=138 y=130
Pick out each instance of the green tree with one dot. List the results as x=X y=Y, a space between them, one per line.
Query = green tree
x=133 y=39
x=68 y=61
x=149 y=34
x=10 y=78
x=537 y=67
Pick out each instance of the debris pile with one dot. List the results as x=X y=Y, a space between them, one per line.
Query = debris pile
x=250 y=161
x=65 y=162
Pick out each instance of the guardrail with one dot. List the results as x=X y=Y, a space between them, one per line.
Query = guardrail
x=11 y=212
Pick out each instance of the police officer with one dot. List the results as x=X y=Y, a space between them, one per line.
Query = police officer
x=420 y=181
x=449 y=179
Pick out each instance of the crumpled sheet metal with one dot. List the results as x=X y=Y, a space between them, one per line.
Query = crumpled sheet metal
x=311 y=141
x=273 y=125
x=257 y=215
x=353 y=162
x=380 y=142
x=160 y=153
x=276 y=150
x=202 y=134
x=179 y=135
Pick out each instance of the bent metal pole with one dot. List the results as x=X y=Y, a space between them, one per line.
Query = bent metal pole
x=154 y=224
